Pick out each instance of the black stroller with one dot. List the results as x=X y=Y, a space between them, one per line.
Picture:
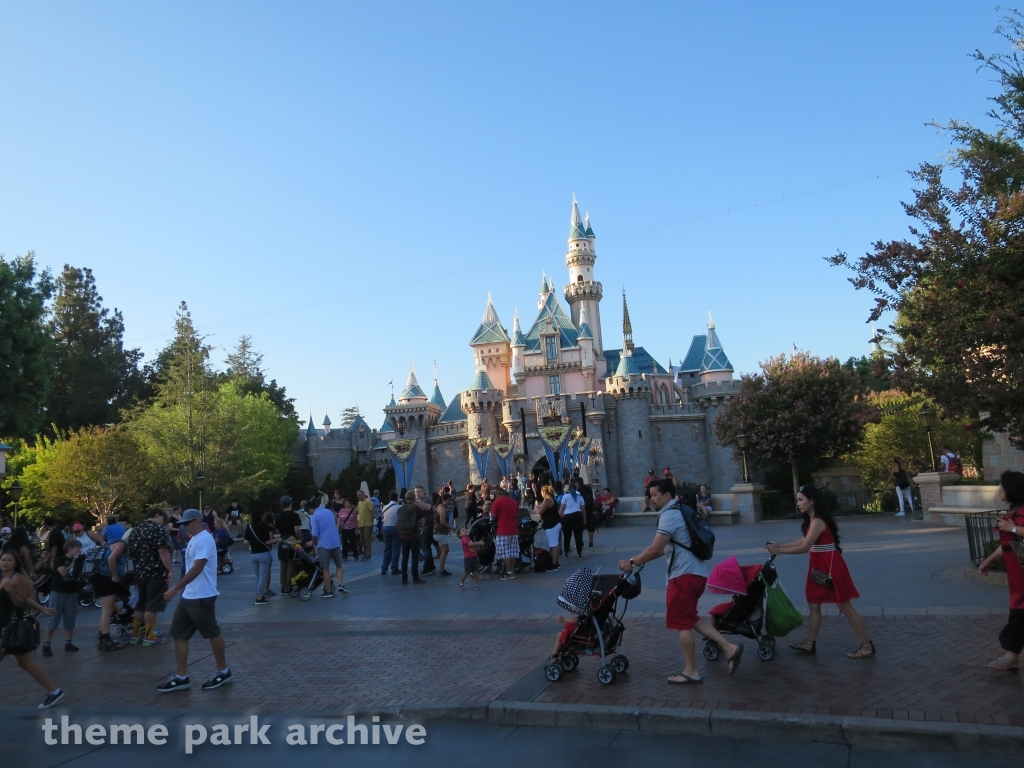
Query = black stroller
x=599 y=627
x=744 y=614
x=224 y=562
x=307 y=574
x=482 y=529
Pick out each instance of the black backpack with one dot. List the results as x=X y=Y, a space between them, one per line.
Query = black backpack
x=405 y=523
x=541 y=560
x=702 y=538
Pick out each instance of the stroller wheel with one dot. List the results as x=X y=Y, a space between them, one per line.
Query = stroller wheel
x=765 y=652
x=570 y=661
x=553 y=672
x=305 y=593
x=120 y=634
x=227 y=568
x=770 y=640
x=606 y=675
x=710 y=651
x=620 y=664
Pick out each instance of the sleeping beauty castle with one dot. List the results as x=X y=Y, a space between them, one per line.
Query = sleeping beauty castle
x=554 y=397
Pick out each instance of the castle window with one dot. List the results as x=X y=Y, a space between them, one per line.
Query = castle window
x=554 y=385
x=579 y=279
x=551 y=347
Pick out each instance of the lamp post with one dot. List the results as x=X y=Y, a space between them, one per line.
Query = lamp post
x=929 y=420
x=742 y=441
x=15 y=491
x=200 y=477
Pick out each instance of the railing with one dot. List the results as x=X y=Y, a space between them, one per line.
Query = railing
x=982 y=538
x=852 y=501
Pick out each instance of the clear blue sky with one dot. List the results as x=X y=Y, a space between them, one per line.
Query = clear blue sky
x=346 y=182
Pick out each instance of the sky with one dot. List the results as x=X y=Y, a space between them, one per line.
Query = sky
x=346 y=182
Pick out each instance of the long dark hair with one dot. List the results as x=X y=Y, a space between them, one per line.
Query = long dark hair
x=1013 y=487
x=821 y=510
x=19 y=538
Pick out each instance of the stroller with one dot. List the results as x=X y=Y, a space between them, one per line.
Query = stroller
x=599 y=628
x=482 y=529
x=308 y=575
x=744 y=614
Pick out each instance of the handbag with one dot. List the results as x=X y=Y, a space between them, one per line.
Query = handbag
x=823 y=579
x=21 y=635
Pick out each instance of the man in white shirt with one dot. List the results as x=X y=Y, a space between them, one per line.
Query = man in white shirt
x=196 y=608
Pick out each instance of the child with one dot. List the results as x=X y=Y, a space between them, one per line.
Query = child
x=563 y=636
x=471 y=562
x=64 y=591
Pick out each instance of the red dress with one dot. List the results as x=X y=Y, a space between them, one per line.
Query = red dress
x=827 y=559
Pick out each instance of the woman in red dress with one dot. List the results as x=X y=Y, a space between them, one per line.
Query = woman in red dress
x=821 y=539
x=1011 y=532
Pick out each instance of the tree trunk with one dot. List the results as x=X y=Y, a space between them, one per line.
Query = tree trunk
x=796 y=478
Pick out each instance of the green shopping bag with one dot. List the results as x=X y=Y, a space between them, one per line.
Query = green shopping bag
x=781 y=616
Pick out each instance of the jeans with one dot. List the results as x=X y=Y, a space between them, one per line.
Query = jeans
x=350 y=542
x=572 y=527
x=392 y=550
x=410 y=548
x=907 y=492
x=261 y=563
x=426 y=545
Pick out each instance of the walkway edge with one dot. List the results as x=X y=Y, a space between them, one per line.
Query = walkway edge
x=870 y=732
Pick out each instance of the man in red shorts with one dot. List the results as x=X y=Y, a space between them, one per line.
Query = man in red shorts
x=687 y=577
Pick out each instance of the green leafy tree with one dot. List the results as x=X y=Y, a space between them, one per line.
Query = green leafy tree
x=94 y=376
x=795 y=411
x=957 y=286
x=353 y=475
x=872 y=371
x=245 y=368
x=25 y=364
x=898 y=434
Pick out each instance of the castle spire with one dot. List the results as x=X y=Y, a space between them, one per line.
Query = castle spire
x=310 y=429
x=627 y=327
x=576 y=229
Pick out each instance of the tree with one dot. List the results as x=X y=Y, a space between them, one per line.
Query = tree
x=871 y=371
x=94 y=376
x=898 y=434
x=245 y=368
x=957 y=286
x=349 y=416
x=25 y=365
x=795 y=410
x=352 y=476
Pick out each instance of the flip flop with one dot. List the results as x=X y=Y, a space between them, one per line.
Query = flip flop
x=1002 y=665
x=734 y=660
x=686 y=679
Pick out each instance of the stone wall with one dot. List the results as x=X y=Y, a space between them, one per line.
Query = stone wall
x=636 y=451
x=998 y=455
x=679 y=444
x=451 y=462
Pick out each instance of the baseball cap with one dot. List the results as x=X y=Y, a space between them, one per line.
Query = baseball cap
x=191 y=514
x=286 y=500
x=5 y=529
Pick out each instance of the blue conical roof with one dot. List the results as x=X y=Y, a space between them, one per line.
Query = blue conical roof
x=490 y=330
x=310 y=429
x=627 y=366
x=481 y=381
x=436 y=398
x=454 y=411
x=576 y=229
x=714 y=356
x=585 y=332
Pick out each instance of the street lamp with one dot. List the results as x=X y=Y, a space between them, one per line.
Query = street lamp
x=929 y=420
x=742 y=441
x=401 y=426
x=15 y=491
x=200 y=477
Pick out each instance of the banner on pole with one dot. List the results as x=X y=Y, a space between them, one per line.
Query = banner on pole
x=503 y=455
x=481 y=449
x=554 y=439
x=403 y=457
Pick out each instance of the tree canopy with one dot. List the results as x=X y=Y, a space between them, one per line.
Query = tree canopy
x=796 y=410
x=957 y=285
x=25 y=366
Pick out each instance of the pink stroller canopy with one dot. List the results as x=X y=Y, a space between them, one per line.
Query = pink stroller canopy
x=727 y=578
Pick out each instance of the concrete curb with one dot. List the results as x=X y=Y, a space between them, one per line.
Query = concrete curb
x=870 y=732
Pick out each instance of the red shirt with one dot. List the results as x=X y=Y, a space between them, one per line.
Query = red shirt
x=506 y=512
x=1014 y=570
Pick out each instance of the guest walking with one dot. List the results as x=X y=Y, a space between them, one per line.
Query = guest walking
x=259 y=534
x=1011 y=532
x=828 y=578
x=898 y=475
x=392 y=546
x=348 y=520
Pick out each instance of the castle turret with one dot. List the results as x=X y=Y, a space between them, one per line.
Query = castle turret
x=715 y=366
x=482 y=404
x=518 y=347
x=631 y=388
x=492 y=346
x=411 y=418
x=583 y=291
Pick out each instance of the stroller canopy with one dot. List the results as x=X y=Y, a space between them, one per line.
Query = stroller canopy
x=730 y=578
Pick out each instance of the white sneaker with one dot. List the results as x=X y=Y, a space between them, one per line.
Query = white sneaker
x=901 y=514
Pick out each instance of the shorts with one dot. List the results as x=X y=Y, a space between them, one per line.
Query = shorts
x=325 y=556
x=554 y=536
x=65 y=607
x=507 y=546
x=681 y=598
x=104 y=586
x=470 y=564
x=591 y=522
x=195 y=615
x=151 y=594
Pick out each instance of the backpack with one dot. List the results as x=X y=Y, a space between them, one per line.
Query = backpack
x=955 y=465
x=405 y=523
x=92 y=560
x=122 y=562
x=702 y=538
x=541 y=560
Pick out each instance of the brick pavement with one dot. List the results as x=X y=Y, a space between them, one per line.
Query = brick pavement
x=928 y=668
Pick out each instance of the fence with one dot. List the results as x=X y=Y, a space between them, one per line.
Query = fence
x=981 y=535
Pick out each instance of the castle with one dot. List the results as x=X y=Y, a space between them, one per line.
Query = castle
x=635 y=414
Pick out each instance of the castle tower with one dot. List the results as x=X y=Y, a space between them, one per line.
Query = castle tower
x=631 y=389
x=715 y=367
x=586 y=341
x=482 y=404
x=492 y=346
x=583 y=291
x=518 y=347
x=413 y=415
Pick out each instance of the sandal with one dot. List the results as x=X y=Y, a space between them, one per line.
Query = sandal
x=866 y=649
x=734 y=660
x=1002 y=665
x=809 y=647
x=684 y=679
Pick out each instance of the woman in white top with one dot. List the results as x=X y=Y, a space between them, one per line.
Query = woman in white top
x=574 y=518
x=88 y=539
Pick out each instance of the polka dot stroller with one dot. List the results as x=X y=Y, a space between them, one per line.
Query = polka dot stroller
x=597 y=628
